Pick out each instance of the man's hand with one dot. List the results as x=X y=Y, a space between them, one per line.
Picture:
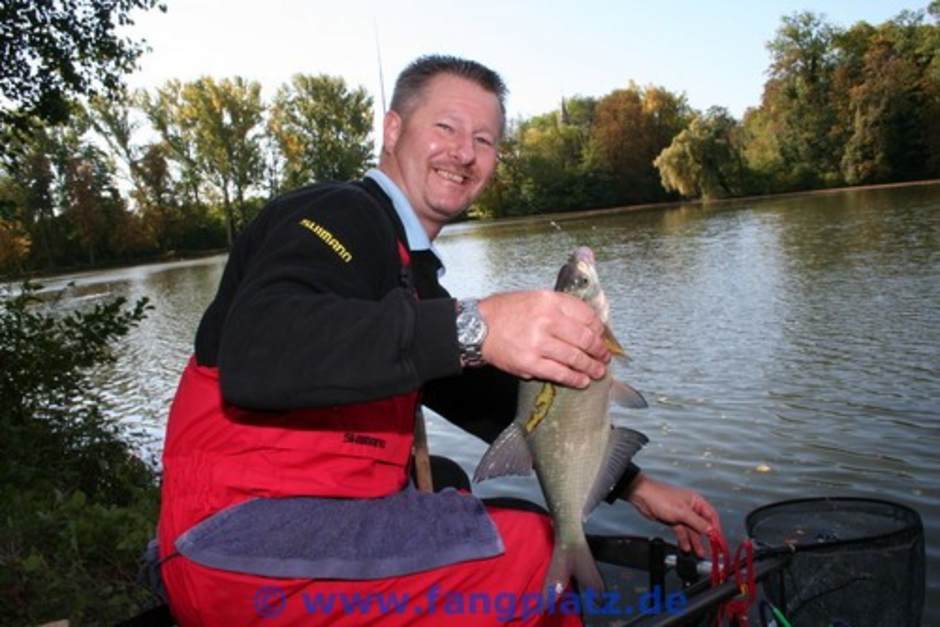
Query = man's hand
x=544 y=335
x=689 y=514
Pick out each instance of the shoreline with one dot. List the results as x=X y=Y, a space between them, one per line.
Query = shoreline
x=36 y=275
x=467 y=225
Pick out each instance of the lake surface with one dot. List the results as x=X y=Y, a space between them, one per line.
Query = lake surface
x=788 y=347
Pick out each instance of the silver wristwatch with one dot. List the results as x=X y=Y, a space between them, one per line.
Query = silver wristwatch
x=471 y=331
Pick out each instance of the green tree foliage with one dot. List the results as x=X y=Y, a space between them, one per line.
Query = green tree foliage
x=322 y=129
x=172 y=176
x=51 y=52
x=860 y=105
x=760 y=149
x=546 y=165
x=76 y=506
x=705 y=159
x=225 y=117
x=797 y=97
x=165 y=109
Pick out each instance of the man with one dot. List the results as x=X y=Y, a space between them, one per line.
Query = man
x=328 y=323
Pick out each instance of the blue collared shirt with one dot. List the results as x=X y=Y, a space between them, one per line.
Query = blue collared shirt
x=417 y=237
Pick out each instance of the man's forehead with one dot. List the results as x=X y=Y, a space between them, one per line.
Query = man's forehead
x=448 y=93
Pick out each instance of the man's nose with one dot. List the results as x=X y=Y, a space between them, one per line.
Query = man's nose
x=463 y=149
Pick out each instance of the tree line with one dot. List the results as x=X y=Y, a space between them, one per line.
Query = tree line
x=183 y=167
x=840 y=107
x=177 y=169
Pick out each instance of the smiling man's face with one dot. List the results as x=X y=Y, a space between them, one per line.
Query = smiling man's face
x=442 y=152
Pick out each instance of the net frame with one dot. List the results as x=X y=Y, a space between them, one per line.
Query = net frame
x=896 y=549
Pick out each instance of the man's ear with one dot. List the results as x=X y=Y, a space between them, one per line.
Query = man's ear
x=391 y=130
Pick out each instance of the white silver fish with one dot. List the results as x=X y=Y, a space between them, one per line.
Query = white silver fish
x=567 y=435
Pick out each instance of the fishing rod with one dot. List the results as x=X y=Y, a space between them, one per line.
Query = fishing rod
x=378 y=55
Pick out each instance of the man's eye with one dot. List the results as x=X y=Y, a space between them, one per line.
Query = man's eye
x=445 y=127
x=484 y=140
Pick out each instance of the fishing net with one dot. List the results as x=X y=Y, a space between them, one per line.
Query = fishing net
x=855 y=562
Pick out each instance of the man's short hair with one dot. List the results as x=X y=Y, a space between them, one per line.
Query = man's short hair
x=415 y=78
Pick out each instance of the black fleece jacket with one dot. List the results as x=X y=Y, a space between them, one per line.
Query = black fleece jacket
x=314 y=309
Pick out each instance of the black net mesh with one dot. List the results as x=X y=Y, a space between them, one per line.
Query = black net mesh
x=856 y=562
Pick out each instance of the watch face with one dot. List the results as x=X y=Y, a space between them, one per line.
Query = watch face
x=471 y=328
x=474 y=330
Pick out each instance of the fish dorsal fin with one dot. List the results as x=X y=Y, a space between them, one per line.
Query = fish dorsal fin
x=622 y=445
x=626 y=396
x=613 y=344
x=508 y=455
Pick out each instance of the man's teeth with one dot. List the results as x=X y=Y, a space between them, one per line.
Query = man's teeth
x=450 y=176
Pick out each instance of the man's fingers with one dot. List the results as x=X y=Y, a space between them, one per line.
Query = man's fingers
x=682 y=536
x=551 y=370
x=573 y=358
x=583 y=338
x=697 y=545
x=695 y=521
x=704 y=509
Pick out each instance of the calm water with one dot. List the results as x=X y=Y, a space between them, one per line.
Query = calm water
x=800 y=335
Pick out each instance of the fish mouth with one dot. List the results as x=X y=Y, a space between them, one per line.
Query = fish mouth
x=585 y=254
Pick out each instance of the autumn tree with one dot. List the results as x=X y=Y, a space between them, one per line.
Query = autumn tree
x=891 y=84
x=15 y=242
x=631 y=127
x=91 y=200
x=33 y=190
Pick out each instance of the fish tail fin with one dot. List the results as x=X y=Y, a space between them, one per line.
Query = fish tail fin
x=572 y=560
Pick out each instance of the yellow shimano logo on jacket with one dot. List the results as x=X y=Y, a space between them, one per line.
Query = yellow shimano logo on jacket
x=327 y=238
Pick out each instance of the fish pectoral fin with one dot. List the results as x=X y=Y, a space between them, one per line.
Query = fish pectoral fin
x=508 y=455
x=613 y=344
x=622 y=445
x=626 y=396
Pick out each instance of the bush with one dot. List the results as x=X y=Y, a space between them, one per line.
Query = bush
x=76 y=505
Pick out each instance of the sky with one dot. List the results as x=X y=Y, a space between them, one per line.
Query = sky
x=714 y=52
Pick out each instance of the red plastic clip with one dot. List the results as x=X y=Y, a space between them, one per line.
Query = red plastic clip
x=736 y=609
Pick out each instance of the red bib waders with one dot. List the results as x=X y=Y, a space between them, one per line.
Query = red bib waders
x=216 y=455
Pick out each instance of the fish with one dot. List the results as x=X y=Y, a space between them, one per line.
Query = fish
x=566 y=434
